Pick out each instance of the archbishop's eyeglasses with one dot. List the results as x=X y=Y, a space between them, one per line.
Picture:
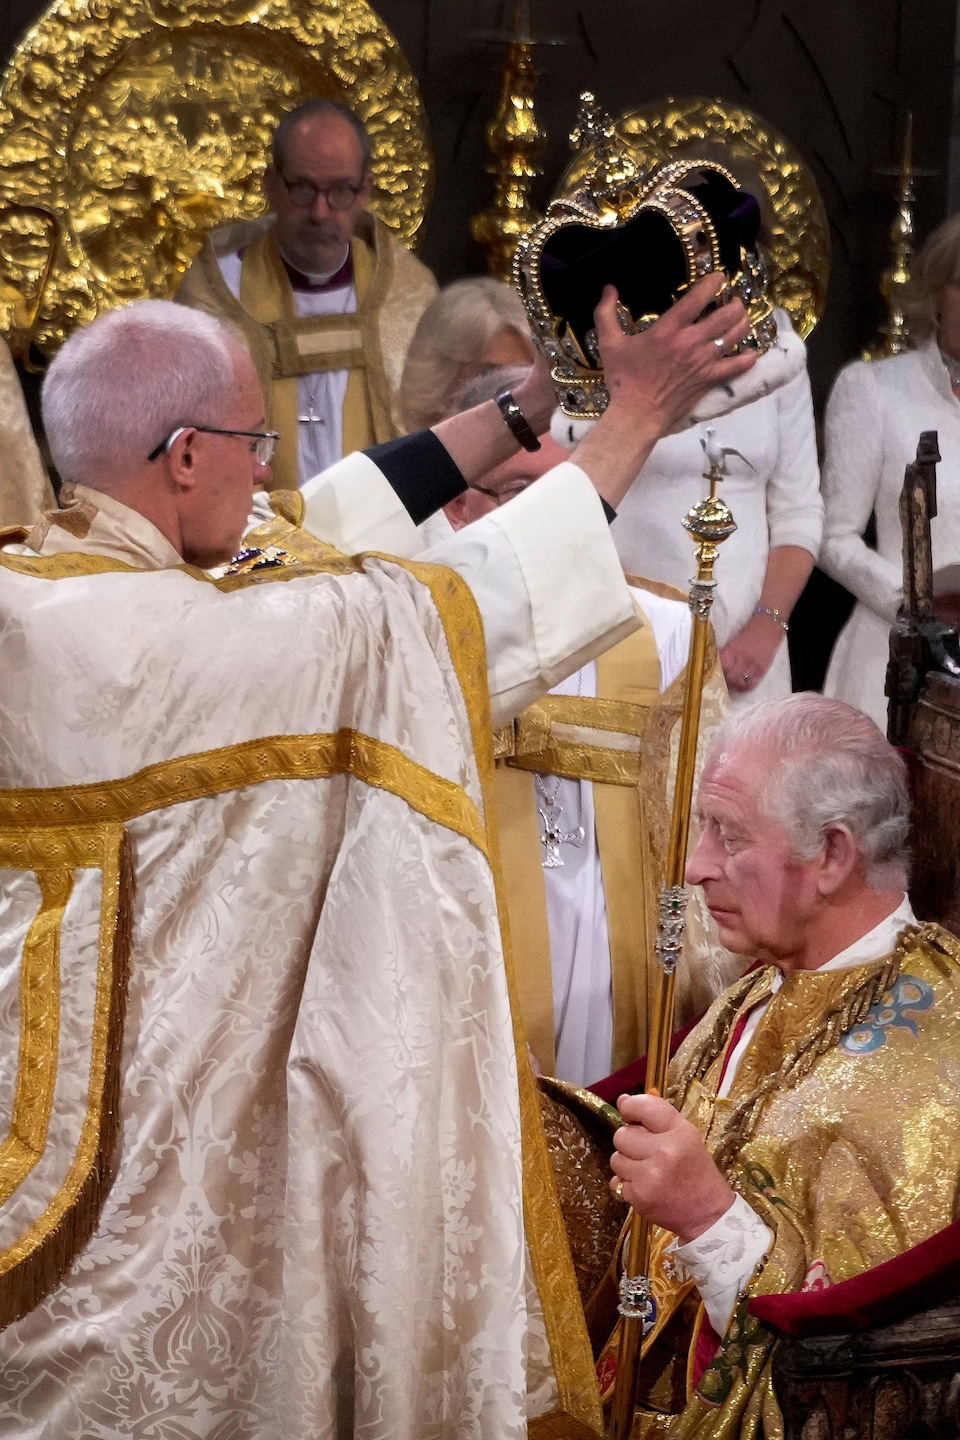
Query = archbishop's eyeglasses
x=509 y=492
x=265 y=446
x=303 y=193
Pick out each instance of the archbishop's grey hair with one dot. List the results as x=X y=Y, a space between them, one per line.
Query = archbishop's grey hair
x=123 y=383
x=835 y=768
x=307 y=111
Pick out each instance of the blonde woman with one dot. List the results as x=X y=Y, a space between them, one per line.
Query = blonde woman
x=472 y=326
x=874 y=418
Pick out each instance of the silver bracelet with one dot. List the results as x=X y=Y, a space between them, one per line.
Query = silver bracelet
x=772 y=614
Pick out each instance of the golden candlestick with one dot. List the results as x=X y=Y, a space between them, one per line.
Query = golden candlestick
x=894 y=332
x=517 y=143
x=710 y=523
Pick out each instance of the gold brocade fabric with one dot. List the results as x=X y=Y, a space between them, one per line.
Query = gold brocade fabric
x=393 y=289
x=842 y=1131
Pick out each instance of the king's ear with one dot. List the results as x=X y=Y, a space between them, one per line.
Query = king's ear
x=839 y=858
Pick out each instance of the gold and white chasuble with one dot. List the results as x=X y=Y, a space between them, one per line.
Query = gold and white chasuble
x=623 y=741
x=270 y=1160
x=359 y=343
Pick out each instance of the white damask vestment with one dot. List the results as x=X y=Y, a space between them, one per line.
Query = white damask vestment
x=260 y=797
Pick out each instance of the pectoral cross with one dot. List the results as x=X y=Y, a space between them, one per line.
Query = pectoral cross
x=311 y=419
x=553 y=835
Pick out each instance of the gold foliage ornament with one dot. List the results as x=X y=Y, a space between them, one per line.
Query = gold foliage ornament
x=143 y=123
x=796 y=233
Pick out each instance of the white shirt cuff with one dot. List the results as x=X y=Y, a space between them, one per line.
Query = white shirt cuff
x=723 y=1259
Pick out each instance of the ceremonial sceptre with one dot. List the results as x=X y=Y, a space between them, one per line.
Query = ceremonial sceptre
x=710 y=523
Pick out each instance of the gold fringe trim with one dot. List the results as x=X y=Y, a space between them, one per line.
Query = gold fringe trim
x=39 y=1034
x=39 y=1260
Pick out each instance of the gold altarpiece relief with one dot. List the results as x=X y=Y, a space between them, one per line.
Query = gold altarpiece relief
x=142 y=123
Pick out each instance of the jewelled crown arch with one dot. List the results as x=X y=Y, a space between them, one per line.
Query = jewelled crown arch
x=142 y=124
x=651 y=230
x=795 y=238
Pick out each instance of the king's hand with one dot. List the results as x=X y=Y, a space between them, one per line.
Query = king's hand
x=668 y=1173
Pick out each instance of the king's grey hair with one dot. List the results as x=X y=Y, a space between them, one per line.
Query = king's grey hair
x=121 y=385
x=834 y=767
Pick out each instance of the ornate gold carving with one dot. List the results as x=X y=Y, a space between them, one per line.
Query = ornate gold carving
x=797 y=238
x=142 y=123
x=517 y=142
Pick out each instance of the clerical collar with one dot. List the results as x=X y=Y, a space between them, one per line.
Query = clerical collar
x=332 y=280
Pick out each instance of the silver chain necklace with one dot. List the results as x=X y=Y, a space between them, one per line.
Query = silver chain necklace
x=313 y=390
x=553 y=835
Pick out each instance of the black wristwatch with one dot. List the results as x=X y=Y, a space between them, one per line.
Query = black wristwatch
x=517 y=421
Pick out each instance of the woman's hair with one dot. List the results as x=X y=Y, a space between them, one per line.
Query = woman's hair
x=454 y=330
x=936 y=265
x=121 y=384
x=834 y=768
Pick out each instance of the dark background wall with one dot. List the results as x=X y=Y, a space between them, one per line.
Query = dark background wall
x=836 y=76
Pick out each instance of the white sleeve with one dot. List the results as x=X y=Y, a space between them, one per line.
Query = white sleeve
x=722 y=1260
x=548 y=583
x=794 y=506
x=670 y=621
x=852 y=468
x=352 y=506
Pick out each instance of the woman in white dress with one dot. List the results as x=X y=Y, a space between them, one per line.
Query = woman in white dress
x=772 y=487
x=874 y=418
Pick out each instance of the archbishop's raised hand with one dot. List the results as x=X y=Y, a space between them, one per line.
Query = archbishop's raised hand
x=655 y=379
x=664 y=371
x=668 y=1173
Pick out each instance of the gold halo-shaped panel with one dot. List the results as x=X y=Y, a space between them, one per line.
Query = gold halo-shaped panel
x=143 y=123
x=797 y=235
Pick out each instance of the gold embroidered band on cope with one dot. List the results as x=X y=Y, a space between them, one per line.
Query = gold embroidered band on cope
x=39 y=1256
x=216 y=772
x=578 y=737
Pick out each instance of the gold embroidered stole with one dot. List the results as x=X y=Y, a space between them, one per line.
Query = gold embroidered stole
x=620 y=742
x=305 y=345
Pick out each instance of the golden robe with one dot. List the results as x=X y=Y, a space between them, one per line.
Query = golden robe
x=842 y=1131
x=393 y=289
